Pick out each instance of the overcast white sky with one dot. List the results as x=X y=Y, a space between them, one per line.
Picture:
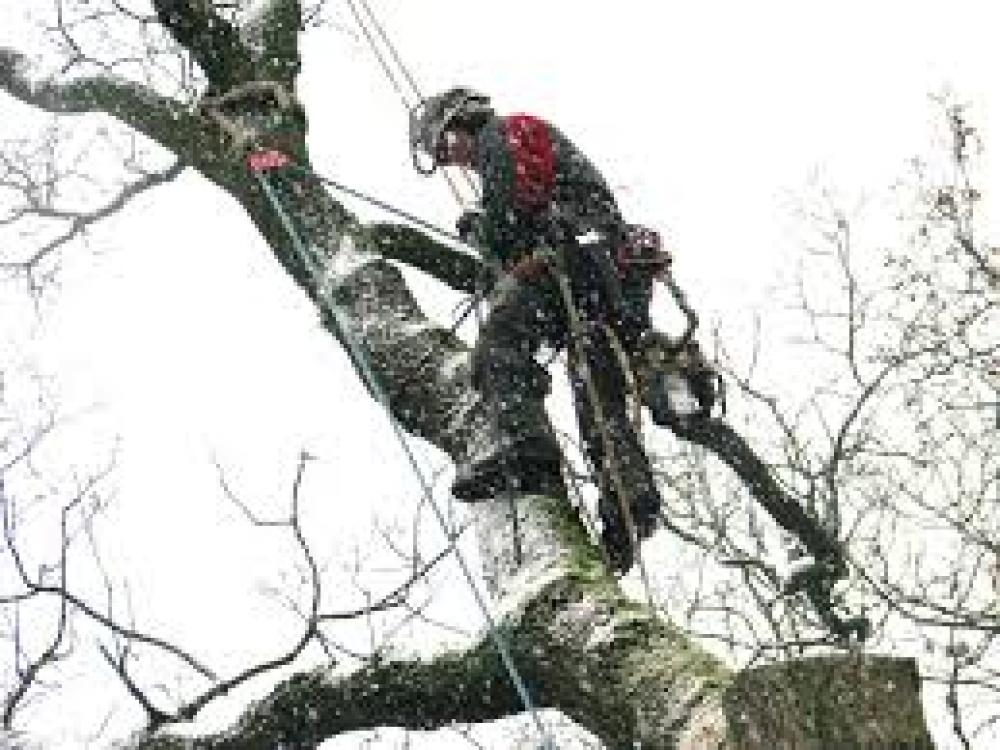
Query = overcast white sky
x=183 y=337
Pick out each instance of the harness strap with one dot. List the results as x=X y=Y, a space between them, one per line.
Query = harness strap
x=578 y=339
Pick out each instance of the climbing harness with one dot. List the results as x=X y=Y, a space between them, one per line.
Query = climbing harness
x=361 y=360
x=631 y=384
x=682 y=303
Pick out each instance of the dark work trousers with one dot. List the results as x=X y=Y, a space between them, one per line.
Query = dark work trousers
x=506 y=373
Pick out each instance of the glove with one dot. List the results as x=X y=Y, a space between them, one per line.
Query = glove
x=529 y=268
x=470 y=227
x=643 y=247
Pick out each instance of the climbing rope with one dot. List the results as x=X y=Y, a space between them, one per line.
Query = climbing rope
x=410 y=100
x=392 y=49
x=404 y=96
x=360 y=357
x=362 y=196
x=635 y=414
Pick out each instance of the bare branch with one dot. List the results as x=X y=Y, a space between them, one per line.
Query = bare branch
x=155 y=716
x=396 y=597
x=64 y=595
x=80 y=222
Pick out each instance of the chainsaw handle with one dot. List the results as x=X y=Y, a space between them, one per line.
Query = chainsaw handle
x=667 y=279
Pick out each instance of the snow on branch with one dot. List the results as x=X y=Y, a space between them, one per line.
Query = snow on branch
x=272 y=31
x=211 y=40
x=164 y=120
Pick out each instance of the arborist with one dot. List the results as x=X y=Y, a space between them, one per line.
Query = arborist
x=543 y=199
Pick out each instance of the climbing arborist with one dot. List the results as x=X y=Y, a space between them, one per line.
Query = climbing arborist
x=543 y=199
x=541 y=195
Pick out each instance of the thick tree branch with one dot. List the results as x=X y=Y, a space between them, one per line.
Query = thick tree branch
x=734 y=451
x=163 y=120
x=416 y=249
x=210 y=39
x=275 y=31
x=604 y=661
x=578 y=643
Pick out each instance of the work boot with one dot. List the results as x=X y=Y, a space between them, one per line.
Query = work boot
x=528 y=467
x=615 y=536
x=619 y=550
